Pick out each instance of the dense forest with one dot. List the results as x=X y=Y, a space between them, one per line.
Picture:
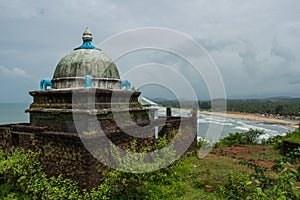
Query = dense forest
x=275 y=106
x=288 y=106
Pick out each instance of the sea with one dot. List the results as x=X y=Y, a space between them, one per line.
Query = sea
x=209 y=127
x=13 y=113
x=230 y=125
x=212 y=128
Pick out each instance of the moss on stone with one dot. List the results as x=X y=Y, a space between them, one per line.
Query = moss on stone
x=86 y=62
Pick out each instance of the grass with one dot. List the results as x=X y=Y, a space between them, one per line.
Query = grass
x=293 y=137
x=211 y=170
x=268 y=153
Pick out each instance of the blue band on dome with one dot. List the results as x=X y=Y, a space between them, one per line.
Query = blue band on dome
x=87 y=45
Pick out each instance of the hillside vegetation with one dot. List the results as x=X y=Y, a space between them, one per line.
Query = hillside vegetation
x=237 y=168
x=275 y=106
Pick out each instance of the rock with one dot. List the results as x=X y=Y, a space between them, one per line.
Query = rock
x=209 y=188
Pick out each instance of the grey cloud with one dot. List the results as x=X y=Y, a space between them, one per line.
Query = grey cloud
x=36 y=34
x=215 y=44
x=14 y=72
x=282 y=52
x=294 y=82
x=249 y=57
x=20 y=9
x=269 y=64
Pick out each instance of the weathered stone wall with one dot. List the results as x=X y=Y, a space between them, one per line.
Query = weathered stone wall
x=61 y=153
x=64 y=153
x=58 y=109
x=63 y=120
x=5 y=138
x=70 y=98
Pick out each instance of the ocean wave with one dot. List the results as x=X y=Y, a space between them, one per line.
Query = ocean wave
x=238 y=125
x=241 y=128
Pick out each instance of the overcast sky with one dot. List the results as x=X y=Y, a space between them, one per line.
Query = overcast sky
x=255 y=44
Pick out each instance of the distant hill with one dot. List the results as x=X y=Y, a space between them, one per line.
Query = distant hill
x=281 y=98
x=159 y=100
x=274 y=105
x=282 y=105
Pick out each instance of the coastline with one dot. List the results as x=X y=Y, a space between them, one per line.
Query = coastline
x=254 y=117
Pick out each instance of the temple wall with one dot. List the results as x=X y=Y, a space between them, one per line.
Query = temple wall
x=64 y=153
x=63 y=120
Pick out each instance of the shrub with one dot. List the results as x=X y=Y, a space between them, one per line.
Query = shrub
x=292 y=156
x=257 y=186
x=247 y=138
x=282 y=186
x=163 y=183
x=237 y=186
x=275 y=141
x=23 y=172
x=293 y=136
x=21 y=176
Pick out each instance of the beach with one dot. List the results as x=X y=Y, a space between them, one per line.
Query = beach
x=255 y=117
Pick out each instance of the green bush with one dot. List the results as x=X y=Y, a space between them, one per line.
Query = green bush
x=165 y=183
x=21 y=177
x=275 y=141
x=293 y=136
x=237 y=186
x=293 y=156
x=260 y=186
x=23 y=172
x=247 y=138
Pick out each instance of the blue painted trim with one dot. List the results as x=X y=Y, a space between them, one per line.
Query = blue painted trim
x=126 y=84
x=88 y=81
x=44 y=83
x=87 y=45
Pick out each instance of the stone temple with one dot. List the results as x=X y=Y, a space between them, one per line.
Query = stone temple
x=85 y=102
x=86 y=83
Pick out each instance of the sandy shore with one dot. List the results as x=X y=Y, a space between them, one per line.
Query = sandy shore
x=256 y=117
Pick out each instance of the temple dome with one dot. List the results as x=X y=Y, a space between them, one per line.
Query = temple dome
x=83 y=62
x=86 y=60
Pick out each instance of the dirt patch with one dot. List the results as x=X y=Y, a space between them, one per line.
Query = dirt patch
x=256 y=154
x=266 y=164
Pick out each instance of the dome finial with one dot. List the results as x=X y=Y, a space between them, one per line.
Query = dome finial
x=87 y=35
x=87 y=41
